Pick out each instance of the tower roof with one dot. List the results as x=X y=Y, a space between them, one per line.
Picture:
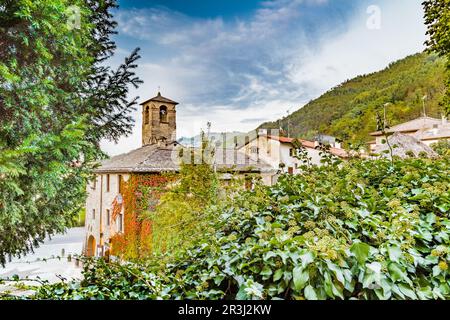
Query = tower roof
x=160 y=98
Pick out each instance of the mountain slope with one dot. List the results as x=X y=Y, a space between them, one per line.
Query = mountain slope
x=348 y=111
x=216 y=137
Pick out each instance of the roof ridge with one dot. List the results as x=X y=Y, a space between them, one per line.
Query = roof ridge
x=160 y=98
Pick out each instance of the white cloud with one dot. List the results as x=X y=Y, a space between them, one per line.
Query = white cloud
x=235 y=73
x=361 y=50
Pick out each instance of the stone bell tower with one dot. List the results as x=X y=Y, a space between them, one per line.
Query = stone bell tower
x=158 y=120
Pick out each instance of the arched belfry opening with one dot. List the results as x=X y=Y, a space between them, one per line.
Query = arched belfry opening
x=147 y=115
x=159 y=120
x=163 y=114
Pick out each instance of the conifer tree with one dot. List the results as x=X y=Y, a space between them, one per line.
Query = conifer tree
x=58 y=99
x=437 y=18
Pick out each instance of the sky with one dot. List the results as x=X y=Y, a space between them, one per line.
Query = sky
x=239 y=63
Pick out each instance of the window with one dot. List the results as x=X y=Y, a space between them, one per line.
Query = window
x=254 y=149
x=108 y=217
x=147 y=115
x=163 y=114
x=107 y=182
x=119 y=223
x=93 y=214
x=120 y=183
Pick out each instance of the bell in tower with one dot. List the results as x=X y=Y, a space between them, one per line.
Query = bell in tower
x=158 y=120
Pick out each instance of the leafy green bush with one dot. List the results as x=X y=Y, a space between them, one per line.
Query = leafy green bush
x=179 y=218
x=362 y=230
x=442 y=148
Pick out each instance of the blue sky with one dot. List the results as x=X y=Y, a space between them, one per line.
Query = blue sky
x=199 y=8
x=238 y=63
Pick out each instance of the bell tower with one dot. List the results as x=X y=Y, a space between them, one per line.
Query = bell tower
x=158 y=120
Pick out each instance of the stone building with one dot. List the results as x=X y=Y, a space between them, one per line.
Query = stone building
x=160 y=153
x=280 y=152
x=159 y=120
x=403 y=146
x=425 y=129
x=260 y=155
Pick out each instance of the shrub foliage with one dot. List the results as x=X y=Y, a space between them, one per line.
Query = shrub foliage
x=363 y=230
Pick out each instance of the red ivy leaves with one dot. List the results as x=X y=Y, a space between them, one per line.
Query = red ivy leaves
x=140 y=193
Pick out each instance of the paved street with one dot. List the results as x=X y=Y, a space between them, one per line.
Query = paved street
x=33 y=265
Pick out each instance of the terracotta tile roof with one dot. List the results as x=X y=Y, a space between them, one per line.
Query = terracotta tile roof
x=312 y=145
x=160 y=98
x=305 y=143
x=341 y=153
x=411 y=126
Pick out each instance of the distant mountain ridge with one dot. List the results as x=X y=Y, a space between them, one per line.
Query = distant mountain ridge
x=216 y=137
x=349 y=111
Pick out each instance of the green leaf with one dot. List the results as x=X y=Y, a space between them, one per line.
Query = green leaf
x=306 y=259
x=328 y=285
x=310 y=293
x=425 y=293
x=266 y=272
x=375 y=267
x=278 y=274
x=396 y=290
x=396 y=272
x=436 y=271
x=337 y=271
x=361 y=251
x=300 y=277
x=394 y=253
x=407 y=291
x=364 y=213
x=242 y=293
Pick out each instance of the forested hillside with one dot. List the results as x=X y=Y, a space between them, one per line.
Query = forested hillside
x=348 y=111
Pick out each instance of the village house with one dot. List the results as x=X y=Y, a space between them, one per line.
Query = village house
x=281 y=152
x=264 y=156
x=403 y=146
x=425 y=129
x=160 y=152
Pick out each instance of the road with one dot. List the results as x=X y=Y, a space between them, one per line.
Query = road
x=33 y=265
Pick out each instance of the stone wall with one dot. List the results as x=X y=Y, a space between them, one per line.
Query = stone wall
x=153 y=129
x=102 y=200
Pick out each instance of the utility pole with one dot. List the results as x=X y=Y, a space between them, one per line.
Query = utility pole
x=384 y=118
x=423 y=101
x=288 y=125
